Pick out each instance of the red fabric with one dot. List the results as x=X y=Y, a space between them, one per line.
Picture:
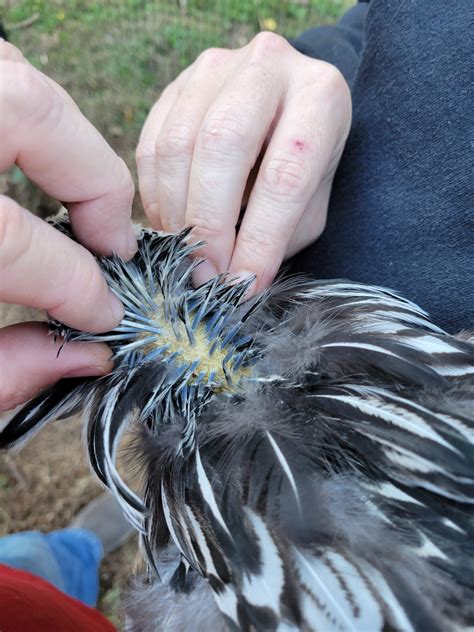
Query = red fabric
x=30 y=604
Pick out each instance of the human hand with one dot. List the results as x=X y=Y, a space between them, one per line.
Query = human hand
x=44 y=134
x=262 y=122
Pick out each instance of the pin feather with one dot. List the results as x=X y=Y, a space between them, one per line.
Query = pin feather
x=308 y=455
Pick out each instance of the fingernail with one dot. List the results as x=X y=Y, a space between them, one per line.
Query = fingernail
x=245 y=275
x=84 y=371
x=132 y=240
x=116 y=307
x=205 y=271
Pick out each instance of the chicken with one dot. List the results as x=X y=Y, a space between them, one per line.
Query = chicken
x=308 y=454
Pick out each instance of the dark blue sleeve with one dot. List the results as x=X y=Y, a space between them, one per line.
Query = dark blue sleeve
x=339 y=44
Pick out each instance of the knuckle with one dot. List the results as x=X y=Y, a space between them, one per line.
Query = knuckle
x=9 y=52
x=25 y=93
x=222 y=131
x=175 y=140
x=168 y=92
x=331 y=80
x=85 y=277
x=285 y=175
x=152 y=208
x=212 y=56
x=12 y=87
x=143 y=153
x=256 y=244
x=88 y=276
x=265 y=44
x=27 y=85
x=206 y=224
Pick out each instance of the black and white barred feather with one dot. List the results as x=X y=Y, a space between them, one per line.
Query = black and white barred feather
x=308 y=454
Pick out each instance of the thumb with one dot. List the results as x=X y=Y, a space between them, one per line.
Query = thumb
x=31 y=360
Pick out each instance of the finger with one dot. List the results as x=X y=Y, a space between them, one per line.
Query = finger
x=10 y=52
x=29 y=361
x=42 y=268
x=147 y=166
x=292 y=171
x=45 y=134
x=166 y=146
x=227 y=147
x=312 y=222
x=174 y=146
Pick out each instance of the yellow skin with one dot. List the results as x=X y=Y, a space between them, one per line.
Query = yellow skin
x=176 y=337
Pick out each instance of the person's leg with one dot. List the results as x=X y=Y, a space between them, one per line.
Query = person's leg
x=69 y=559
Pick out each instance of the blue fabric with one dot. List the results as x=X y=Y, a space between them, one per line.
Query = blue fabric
x=340 y=44
x=68 y=558
x=401 y=211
